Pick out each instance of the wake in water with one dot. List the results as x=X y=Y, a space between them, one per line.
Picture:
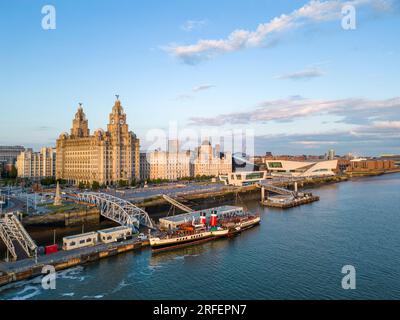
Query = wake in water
x=27 y=293
x=33 y=287
x=93 y=297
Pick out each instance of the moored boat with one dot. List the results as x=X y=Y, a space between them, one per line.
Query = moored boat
x=250 y=222
x=239 y=224
x=199 y=231
x=187 y=235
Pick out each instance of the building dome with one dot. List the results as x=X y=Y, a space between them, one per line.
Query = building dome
x=117 y=109
x=64 y=135
x=99 y=132
x=80 y=115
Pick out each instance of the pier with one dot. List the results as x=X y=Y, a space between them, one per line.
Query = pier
x=284 y=198
x=285 y=202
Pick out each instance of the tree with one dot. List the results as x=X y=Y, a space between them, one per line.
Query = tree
x=81 y=185
x=122 y=183
x=95 y=185
x=47 y=181
x=62 y=181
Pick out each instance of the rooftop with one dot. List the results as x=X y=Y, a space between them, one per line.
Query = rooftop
x=111 y=230
x=189 y=216
x=77 y=236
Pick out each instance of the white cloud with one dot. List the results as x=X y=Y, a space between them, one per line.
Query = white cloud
x=202 y=87
x=195 y=90
x=387 y=124
x=315 y=11
x=302 y=75
x=307 y=143
x=191 y=25
x=184 y=96
x=354 y=111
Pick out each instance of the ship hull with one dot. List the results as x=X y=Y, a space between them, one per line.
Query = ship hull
x=177 y=245
x=242 y=226
x=250 y=224
x=185 y=241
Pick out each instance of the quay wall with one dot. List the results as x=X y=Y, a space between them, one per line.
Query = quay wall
x=63 y=219
x=157 y=206
x=12 y=272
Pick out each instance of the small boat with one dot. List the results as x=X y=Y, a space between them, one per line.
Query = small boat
x=238 y=224
x=250 y=222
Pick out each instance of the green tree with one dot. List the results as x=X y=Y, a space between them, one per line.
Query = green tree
x=81 y=185
x=122 y=183
x=62 y=181
x=95 y=185
x=47 y=181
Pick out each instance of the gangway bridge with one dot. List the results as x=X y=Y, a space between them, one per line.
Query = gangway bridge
x=177 y=204
x=15 y=237
x=266 y=185
x=271 y=188
x=116 y=209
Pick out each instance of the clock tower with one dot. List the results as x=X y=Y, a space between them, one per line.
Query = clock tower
x=117 y=117
x=124 y=146
x=80 y=126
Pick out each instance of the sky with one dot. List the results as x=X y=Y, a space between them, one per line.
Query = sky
x=286 y=70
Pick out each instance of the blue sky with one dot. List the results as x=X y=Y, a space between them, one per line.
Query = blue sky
x=300 y=81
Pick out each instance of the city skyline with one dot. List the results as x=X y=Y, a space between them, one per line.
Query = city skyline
x=292 y=73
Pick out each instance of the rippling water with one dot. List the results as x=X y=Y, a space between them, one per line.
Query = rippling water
x=293 y=254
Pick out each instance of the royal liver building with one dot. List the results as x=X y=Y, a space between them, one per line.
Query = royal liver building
x=107 y=157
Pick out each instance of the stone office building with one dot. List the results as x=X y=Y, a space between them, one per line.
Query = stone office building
x=36 y=165
x=106 y=157
x=209 y=161
x=9 y=154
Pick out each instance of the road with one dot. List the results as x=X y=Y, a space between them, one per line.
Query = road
x=138 y=195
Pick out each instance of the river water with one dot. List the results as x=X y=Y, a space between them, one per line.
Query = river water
x=294 y=254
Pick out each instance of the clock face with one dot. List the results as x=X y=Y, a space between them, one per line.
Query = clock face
x=112 y=121
x=121 y=121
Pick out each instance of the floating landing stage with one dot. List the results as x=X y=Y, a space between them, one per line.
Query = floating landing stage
x=285 y=202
